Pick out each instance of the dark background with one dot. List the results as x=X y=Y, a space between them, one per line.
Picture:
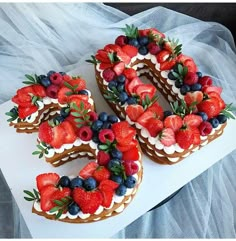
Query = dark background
x=224 y=13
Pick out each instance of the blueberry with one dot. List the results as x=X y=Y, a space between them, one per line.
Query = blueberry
x=221 y=118
x=178 y=83
x=73 y=208
x=113 y=163
x=64 y=112
x=168 y=113
x=196 y=87
x=90 y=183
x=121 y=78
x=76 y=182
x=134 y=42
x=214 y=122
x=106 y=125
x=112 y=84
x=96 y=125
x=131 y=101
x=115 y=153
x=199 y=74
x=203 y=115
x=64 y=181
x=95 y=138
x=123 y=97
x=171 y=76
x=143 y=40
x=103 y=116
x=112 y=118
x=51 y=72
x=121 y=190
x=116 y=178
x=130 y=181
x=58 y=119
x=184 y=89
x=45 y=81
x=121 y=87
x=143 y=50
x=83 y=92
x=62 y=73
x=175 y=68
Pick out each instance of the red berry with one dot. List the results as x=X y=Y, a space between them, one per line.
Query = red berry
x=196 y=134
x=130 y=168
x=130 y=73
x=153 y=48
x=23 y=112
x=101 y=173
x=205 y=80
x=92 y=116
x=167 y=65
x=62 y=95
x=52 y=91
x=124 y=148
x=108 y=74
x=220 y=100
x=85 y=133
x=106 y=135
x=184 y=137
x=88 y=170
x=167 y=137
x=174 y=122
x=46 y=179
x=107 y=185
x=144 y=90
x=193 y=97
x=157 y=110
x=210 y=106
x=79 y=82
x=56 y=78
x=209 y=89
x=162 y=56
x=119 y=68
x=132 y=84
x=107 y=197
x=39 y=90
x=130 y=50
x=121 y=40
x=134 y=111
x=191 y=78
x=154 y=126
x=58 y=134
x=131 y=155
x=45 y=132
x=70 y=135
x=192 y=120
x=46 y=202
x=205 y=128
x=103 y=158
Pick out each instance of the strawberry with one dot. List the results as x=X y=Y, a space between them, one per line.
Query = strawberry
x=23 y=112
x=107 y=185
x=39 y=90
x=151 y=31
x=80 y=83
x=174 y=122
x=88 y=201
x=121 y=41
x=107 y=197
x=184 y=137
x=119 y=68
x=209 y=89
x=192 y=120
x=131 y=155
x=77 y=99
x=191 y=97
x=101 y=173
x=130 y=167
x=220 y=100
x=63 y=98
x=154 y=126
x=102 y=56
x=196 y=135
x=210 y=106
x=45 y=132
x=58 y=134
x=157 y=110
x=167 y=65
x=103 y=158
x=130 y=73
x=167 y=137
x=190 y=78
x=131 y=85
x=61 y=193
x=70 y=135
x=190 y=64
x=205 y=80
x=108 y=74
x=162 y=56
x=104 y=66
x=143 y=90
x=134 y=111
x=46 y=202
x=111 y=48
x=88 y=170
x=130 y=50
x=145 y=117
x=46 y=179
x=124 y=148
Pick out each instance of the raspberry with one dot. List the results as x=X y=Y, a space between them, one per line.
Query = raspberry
x=56 y=78
x=205 y=128
x=106 y=135
x=103 y=158
x=191 y=78
x=85 y=133
x=92 y=116
x=52 y=91
x=153 y=48
x=108 y=74
x=130 y=168
x=121 y=40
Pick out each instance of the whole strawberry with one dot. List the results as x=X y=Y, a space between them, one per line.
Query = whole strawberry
x=210 y=106
x=184 y=137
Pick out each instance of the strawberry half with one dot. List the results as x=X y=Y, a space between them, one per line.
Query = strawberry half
x=101 y=173
x=130 y=50
x=143 y=90
x=210 y=106
x=107 y=197
x=130 y=73
x=80 y=83
x=58 y=134
x=134 y=111
x=174 y=122
x=45 y=132
x=167 y=65
x=70 y=135
x=167 y=137
x=131 y=85
x=154 y=126
x=119 y=68
x=191 y=97
x=107 y=184
x=192 y=120
x=88 y=170
x=23 y=112
x=184 y=137
x=124 y=148
x=131 y=155
x=162 y=56
x=46 y=179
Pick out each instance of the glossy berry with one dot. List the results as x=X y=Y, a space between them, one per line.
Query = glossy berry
x=56 y=78
x=106 y=135
x=121 y=78
x=62 y=73
x=97 y=125
x=52 y=91
x=121 y=40
x=190 y=78
x=50 y=73
x=205 y=80
x=123 y=97
x=58 y=119
x=116 y=178
x=130 y=181
x=134 y=42
x=184 y=89
x=116 y=154
x=143 y=40
x=103 y=116
x=73 y=209
x=76 y=182
x=214 y=122
x=64 y=112
x=112 y=84
x=178 y=84
x=131 y=101
x=95 y=138
x=143 y=50
x=196 y=87
x=85 y=133
x=90 y=183
x=83 y=92
x=130 y=167
x=171 y=76
x=106 y=125
x=108 y=74
x=121 y=87
x=103 y=158
x=203 y=115
x=199 y=74
x=205 y=128
x=221 y=118
x=153 y=48
x=45 y=81
x=64 y=181
x=112 y=118
x=121 y=190
x=168 y=113
x=113 y=163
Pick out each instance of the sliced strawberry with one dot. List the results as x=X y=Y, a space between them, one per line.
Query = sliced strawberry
x=190 y=78
x=205 y=80
x=193 y=97
x=112 y=48
x=131 y=85
x=107 y=197
x=46 y=203
x=145 y=117
x=167 y=65
x=119 y=68
x=58 y=134
x=131 y=155
x=209 y=89
x=104 y=66
x=134 y=111
x=220 y=100
x=154 y=126
x=46 y=179
x=157 y=110
x=130 y=73
x=16 y=100
x=88 y=170
x=196 y=136
x=23 y=112
x=162 y=56
x=190 y=64
x=143 y=90
x=45 y=132
x=174 y=122
x=192 y=120
x=210 y=106
x=102 y=56
x=39 y=90
x=124 y=57
x=78 y=99
x=79 y=82
x=167 y=137
x=184 y=137
x=70 y=135
x=107 y=184
x=63 y=95
x=124 y=148
x=130 y=50
x=101 y=173
x=88 y=201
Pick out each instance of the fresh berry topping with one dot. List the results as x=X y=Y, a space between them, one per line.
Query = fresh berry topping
x=23 y=112
x=123 y=148
x=45 y=132
x=108 y=74
x=190 y=78
x=210 y=106
x=78 y=84
x=130 y=50
x=101 y=173
x=116 y=154
x=118 y=68
x=209 y=89
x=73 y=209
x=96 y=125
x=106 y=135
x=221 y=118
x=88 y=201
x=64 y=112
x=196 y=135
x=87 y=170
x=134 y=42
x=131 y=155
x=46 y=179
x=167 y=137
x=184 y=137
x=203 y=115
x=167 y=113
x=130 y=73
x=85 y=133
x=174 y=122
x=103 y=158
x=123 y=97
x=50 y=73
x=205 y=80
x=196 y=87
x=134 y=111
x=130 y=181
x=63 y=97
x=121 y=190
x=214 y=122
x=184 y=89
x=153 y=48
x=162 y=56
x=107 y=197
x=103 y=116
x=220 y=100
x=56 y=79
x=76 y=182
x=64 y=181
x=205 y=128
x=130 y=167
x=132 y=84
x=46 y=201
x=45 y=81
x=121 y=78
x=143 y=50
x=58 y=134
x=199 y=74
x=193 y=97
x=52 y=91
x=107 y=184
x=121 y=40
x=83 y=92
x=69 y=131
x=90 y=183
x=167 y=65
x=144 y=90
x=116 y=178
x=154 y=126
x=113 y=119
x=192 y=120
